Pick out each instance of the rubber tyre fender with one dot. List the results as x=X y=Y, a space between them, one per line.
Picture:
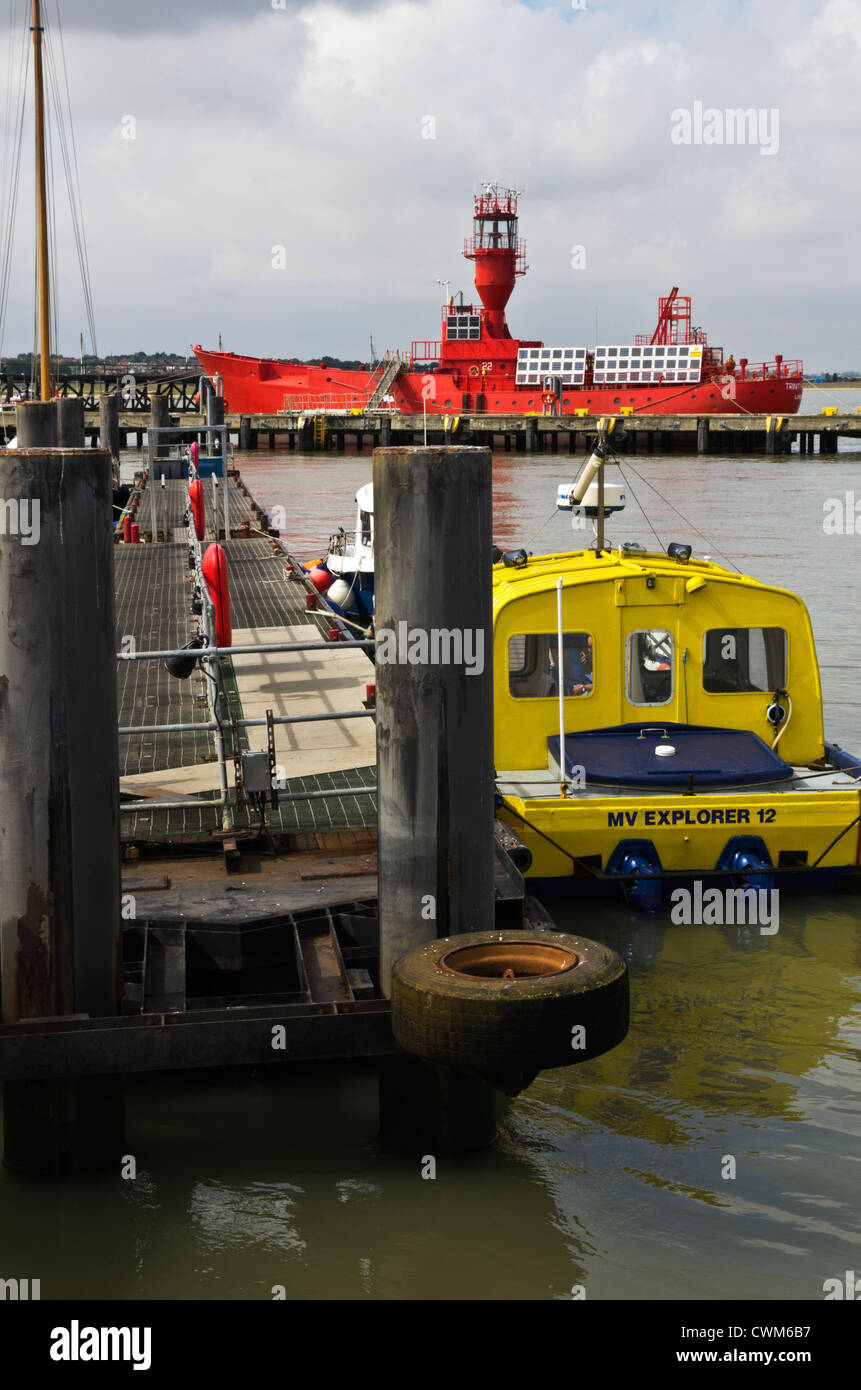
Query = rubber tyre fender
x=511 y=1029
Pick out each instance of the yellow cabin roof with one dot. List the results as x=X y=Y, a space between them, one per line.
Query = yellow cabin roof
x=623 y=600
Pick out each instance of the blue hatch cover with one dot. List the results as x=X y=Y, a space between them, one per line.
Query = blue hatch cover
x=625 y=755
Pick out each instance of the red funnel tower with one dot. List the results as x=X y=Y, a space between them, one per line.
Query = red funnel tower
x=498 y=254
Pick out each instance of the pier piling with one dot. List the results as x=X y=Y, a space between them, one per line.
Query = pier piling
x=59 y=792
x=36 y=424
x=70 y=422
x=214 y=416
x=159 y=419
x=109 y=425
x=434 y=753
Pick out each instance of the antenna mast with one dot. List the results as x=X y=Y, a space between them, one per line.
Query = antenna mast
x=42 y=210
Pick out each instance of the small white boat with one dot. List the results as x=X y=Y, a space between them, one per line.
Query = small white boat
x=350 y=560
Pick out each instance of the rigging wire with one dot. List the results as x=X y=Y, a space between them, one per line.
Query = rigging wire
x=62 y=108
x=60 y=148
x=51 y=215
x=661 y=545
x=534 y=537
x=715 y=549
x=12 y=162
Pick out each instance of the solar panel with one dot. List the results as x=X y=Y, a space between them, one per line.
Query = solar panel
x=534 y=364
x=463 y=328
x=648 y=365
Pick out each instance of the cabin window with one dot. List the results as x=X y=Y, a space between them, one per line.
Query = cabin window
x=649 y=665
x=740 y=659
x=533 y=664
x=365 y=527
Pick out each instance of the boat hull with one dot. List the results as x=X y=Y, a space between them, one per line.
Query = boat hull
x=580 y=844
x=259 y=386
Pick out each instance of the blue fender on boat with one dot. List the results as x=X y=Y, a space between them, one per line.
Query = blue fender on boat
x=748 y=856
x=640 y=858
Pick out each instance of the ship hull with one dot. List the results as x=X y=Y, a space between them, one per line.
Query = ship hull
x=260 y=386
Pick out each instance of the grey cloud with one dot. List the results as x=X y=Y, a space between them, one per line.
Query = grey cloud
x=176 y=16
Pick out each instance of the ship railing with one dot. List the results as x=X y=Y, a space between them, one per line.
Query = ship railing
x=426 y=350
x=764 y=371
x=323 y=403
x=474 y=246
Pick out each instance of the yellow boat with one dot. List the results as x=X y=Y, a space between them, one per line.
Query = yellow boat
x=690 y=723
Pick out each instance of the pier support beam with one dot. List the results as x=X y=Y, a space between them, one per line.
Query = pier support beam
x=828 y=442
x=59 y=792
x=434 y=754
x=36 y=424
x=70 y=422
x=702 y=435
x=109 y=425
x=214 y=416
x=159 y=418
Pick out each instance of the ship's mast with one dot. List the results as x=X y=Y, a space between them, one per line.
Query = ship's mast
x=42 y=210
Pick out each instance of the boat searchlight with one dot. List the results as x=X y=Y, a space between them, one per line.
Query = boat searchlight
x=590 y=495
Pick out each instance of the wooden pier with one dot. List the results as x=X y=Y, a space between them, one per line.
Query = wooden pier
x=572 y=434
x=230 y=938
x=178 y=398
x=632 y=434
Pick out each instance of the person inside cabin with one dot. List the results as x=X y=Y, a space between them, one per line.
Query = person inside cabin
x=577 y=666
x=656 y=673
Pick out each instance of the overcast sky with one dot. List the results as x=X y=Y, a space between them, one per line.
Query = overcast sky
x=257 y=127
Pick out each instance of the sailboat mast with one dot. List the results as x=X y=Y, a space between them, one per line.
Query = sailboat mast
x=42 y=210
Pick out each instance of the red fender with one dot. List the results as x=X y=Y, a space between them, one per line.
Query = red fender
x=198 y=507
x=194 y=451
x=214 y=567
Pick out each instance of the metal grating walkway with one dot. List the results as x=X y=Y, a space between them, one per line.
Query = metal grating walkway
x=262 y=593
x=334 y=812
x=153 y=588
x=152 y=594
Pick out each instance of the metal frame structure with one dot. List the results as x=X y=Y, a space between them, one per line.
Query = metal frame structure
x=226 y=452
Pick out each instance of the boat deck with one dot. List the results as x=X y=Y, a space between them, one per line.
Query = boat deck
x=534 y=784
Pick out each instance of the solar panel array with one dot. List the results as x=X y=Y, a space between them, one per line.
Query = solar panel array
x=534 y=364
x=463 y=327
x=679 y=363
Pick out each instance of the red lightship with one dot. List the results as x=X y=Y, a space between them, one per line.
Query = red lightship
x=477 y=367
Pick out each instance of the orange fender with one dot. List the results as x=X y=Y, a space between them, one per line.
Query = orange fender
x=198 y=507
x=214 y=567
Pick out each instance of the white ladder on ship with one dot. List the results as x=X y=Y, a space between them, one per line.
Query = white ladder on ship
x=392 y=364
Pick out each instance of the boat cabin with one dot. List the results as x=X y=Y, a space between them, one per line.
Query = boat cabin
x=675 y=671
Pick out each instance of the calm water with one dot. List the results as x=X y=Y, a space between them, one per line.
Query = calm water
x=606 y=1175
